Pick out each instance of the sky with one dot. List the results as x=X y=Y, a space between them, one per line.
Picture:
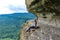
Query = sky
x=12 y=6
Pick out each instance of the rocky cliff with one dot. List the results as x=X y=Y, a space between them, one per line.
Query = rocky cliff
x=48 y=23
x=46 y=31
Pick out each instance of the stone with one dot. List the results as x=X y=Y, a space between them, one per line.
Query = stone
x=48 y=13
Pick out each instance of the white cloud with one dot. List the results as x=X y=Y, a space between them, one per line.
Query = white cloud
x=11 y=6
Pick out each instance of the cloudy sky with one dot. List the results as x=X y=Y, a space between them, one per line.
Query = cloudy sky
x=12 y=6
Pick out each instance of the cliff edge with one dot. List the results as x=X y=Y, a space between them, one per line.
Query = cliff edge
x=45 y=31
x=48 y=21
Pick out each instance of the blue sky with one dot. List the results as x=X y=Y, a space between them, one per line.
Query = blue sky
x=12 y=6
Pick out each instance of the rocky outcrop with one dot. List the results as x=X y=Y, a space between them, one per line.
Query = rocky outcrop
x=48 y=23
x=43 y=7
x=46 y=31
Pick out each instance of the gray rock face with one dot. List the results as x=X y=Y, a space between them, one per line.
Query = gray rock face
x=45 y=32
x=49 y=27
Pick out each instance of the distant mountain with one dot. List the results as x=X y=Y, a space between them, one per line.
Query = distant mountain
x=19 y=15
x=10 y=24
